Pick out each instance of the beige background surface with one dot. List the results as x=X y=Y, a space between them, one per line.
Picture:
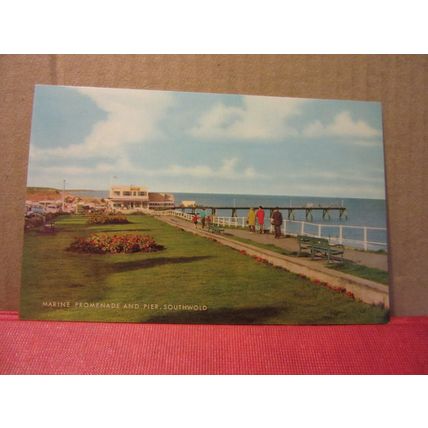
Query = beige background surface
x=399 y=82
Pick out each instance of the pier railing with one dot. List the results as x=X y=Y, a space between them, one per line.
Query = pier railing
x=362 y=237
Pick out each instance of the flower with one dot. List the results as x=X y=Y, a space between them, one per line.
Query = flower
x=118 y=243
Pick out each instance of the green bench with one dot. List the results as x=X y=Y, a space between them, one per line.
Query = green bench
x=305 y=244
x=214 y=228
x=320 y=247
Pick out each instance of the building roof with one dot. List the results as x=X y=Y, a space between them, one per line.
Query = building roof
x=160 y=197
x=128 y=187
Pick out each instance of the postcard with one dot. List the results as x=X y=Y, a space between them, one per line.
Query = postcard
x=176 y=207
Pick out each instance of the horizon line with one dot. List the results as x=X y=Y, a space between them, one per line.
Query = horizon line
x=216 y=193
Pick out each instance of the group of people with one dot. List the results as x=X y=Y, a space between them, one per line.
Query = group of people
x=254 y=218
x=258 y=218
x=203 y=217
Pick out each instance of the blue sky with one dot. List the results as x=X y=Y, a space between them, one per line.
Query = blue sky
x=196 y=142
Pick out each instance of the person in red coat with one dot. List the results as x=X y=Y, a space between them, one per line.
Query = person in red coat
x=260 y=215
x=195 y=219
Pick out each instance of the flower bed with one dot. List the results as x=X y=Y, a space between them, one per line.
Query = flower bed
x=124 y=243
x=104 y=218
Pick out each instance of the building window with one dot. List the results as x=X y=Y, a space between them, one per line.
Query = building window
x=126 y=193
x=116 y=193
x=141 y=193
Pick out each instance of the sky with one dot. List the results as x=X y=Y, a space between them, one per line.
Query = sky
x=205 y=143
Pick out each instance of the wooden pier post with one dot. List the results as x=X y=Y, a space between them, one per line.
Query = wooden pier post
x=308 y=214
x=326 y=213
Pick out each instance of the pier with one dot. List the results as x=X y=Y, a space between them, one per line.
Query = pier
x=325 y=210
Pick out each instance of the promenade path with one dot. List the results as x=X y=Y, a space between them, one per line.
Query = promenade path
x=316 y=270
x=369 y=259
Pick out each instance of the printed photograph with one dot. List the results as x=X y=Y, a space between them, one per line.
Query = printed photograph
x=152 y=206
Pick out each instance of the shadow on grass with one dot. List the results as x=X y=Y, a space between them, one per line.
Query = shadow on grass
x=94 y=229
x=255 y=315
x=150 y=263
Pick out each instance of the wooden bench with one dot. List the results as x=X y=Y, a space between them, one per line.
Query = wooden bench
x=320 y=247
x=305 y=244
x=214 y=228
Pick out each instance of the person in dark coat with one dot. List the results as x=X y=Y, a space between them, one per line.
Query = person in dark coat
x=277 y=222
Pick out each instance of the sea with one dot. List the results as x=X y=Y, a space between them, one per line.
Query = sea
x=360 y=212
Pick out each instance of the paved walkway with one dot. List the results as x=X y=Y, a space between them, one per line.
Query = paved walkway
x=363 y=289
x=369 y=259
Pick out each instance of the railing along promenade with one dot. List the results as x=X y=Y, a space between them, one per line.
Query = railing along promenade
x=335 y=233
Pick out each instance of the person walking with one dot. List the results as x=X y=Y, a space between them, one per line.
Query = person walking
x=251 y=220
x=276 y=220
x=203 y=216
x=260 y=215
x=195 y=219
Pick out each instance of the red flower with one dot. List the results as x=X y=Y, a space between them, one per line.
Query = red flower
x=350 y=294
x=103 y=243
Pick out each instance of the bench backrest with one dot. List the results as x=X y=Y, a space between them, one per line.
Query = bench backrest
x=322 y=242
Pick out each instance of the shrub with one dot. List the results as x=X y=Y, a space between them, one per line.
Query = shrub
x=105 y=218
x=34 y=222
x=124 y=243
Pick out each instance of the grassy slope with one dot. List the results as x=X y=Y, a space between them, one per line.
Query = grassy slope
x=192 y=270
x=372 y=274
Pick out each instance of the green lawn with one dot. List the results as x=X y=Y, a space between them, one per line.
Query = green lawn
x=355 y=269
x=190 y=271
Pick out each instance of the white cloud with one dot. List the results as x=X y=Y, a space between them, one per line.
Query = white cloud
x=132 y=118
x=260 y=118
x=372 y=176
x=342 y=126
x=193 y=171
x=228 y=170
x=96 y=176
x=119 y=164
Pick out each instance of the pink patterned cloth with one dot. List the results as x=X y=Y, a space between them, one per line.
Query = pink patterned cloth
x=42 y=347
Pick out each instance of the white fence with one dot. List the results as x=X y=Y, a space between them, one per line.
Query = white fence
x=363 y=237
